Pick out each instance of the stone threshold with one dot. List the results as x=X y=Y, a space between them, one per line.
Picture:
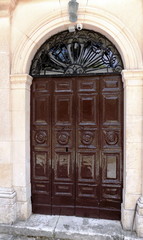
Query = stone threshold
x=65 y=228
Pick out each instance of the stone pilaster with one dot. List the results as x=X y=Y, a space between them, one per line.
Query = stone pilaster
x=20 y=108
x=7 y=205
x=133 y=145
x=7 y=194
x=139 y=213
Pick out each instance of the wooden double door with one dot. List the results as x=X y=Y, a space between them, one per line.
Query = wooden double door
x=76 y=146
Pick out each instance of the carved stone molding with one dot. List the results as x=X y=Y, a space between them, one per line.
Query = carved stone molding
x=139 y=217
x=7 y=193
x=7 y=196
x=13 y=3
x=21 y=81
x=94 y=19
x=140 y=206
x=6 y=7
x=133 y=77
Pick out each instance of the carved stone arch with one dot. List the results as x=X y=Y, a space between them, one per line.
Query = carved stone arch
x=108 y=25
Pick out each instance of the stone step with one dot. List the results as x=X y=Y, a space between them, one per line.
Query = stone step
x=6 y=237
x=41 y=227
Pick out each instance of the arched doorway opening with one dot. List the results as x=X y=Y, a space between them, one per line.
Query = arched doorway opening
x=77 y=126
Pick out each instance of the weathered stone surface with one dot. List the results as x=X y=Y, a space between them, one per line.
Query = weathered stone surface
x=87 y=228
x=41 y=227
x=6 y=237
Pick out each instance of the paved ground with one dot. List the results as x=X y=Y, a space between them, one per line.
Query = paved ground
x=41 y=227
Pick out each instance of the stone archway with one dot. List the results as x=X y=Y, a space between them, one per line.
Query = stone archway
x=108 y=25
x=132 y=77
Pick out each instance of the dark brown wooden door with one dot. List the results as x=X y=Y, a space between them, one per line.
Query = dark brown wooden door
x=76 y=146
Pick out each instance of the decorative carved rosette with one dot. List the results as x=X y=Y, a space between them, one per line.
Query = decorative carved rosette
x=87 y=137
x=111 y=137
x=41 y=137
x=63 y=138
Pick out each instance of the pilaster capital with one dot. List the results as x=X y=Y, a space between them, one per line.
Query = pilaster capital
x=20 y=81
x=133 y=77
x=6 y=7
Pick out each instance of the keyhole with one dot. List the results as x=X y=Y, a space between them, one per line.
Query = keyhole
x=66 y=149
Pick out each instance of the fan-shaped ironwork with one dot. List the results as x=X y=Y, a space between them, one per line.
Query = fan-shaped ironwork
x=79 y=53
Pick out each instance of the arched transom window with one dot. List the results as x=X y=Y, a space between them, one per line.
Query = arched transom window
x=78 y=53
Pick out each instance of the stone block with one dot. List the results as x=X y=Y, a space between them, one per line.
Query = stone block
x=18 y=125
x=20 y=175
x=133 y=181
x=4 y=36
x=130 y=201
x=23 y=193
x=134 y=98
x=6 y=237
x=18 y=100
x=133 y=154
x=21 y=163
x=5 y=152
x=139 y=225
x=5 y=175
x=5 y=126
x=24 y=210
x=7 y=205
x=133 y=128
x=127 y=218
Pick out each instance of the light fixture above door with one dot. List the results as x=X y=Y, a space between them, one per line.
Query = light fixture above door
x=73 y=8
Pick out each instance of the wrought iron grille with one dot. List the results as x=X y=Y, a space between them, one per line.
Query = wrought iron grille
x=79 y=53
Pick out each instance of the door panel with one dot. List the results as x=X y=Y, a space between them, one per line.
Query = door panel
x=41 y=146
x=63 y=147
x=41 y=168
x=76 y=146
x=63 y=106
x=87 y=152
x=111 y=109
x=111 y=146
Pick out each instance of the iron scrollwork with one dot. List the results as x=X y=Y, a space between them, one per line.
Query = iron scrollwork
x=79 y=53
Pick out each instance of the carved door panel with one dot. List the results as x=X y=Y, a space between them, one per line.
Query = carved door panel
x=87 y=147
x=76 y=146
x=111 y=132
x=41 y=146
x=63 y=147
